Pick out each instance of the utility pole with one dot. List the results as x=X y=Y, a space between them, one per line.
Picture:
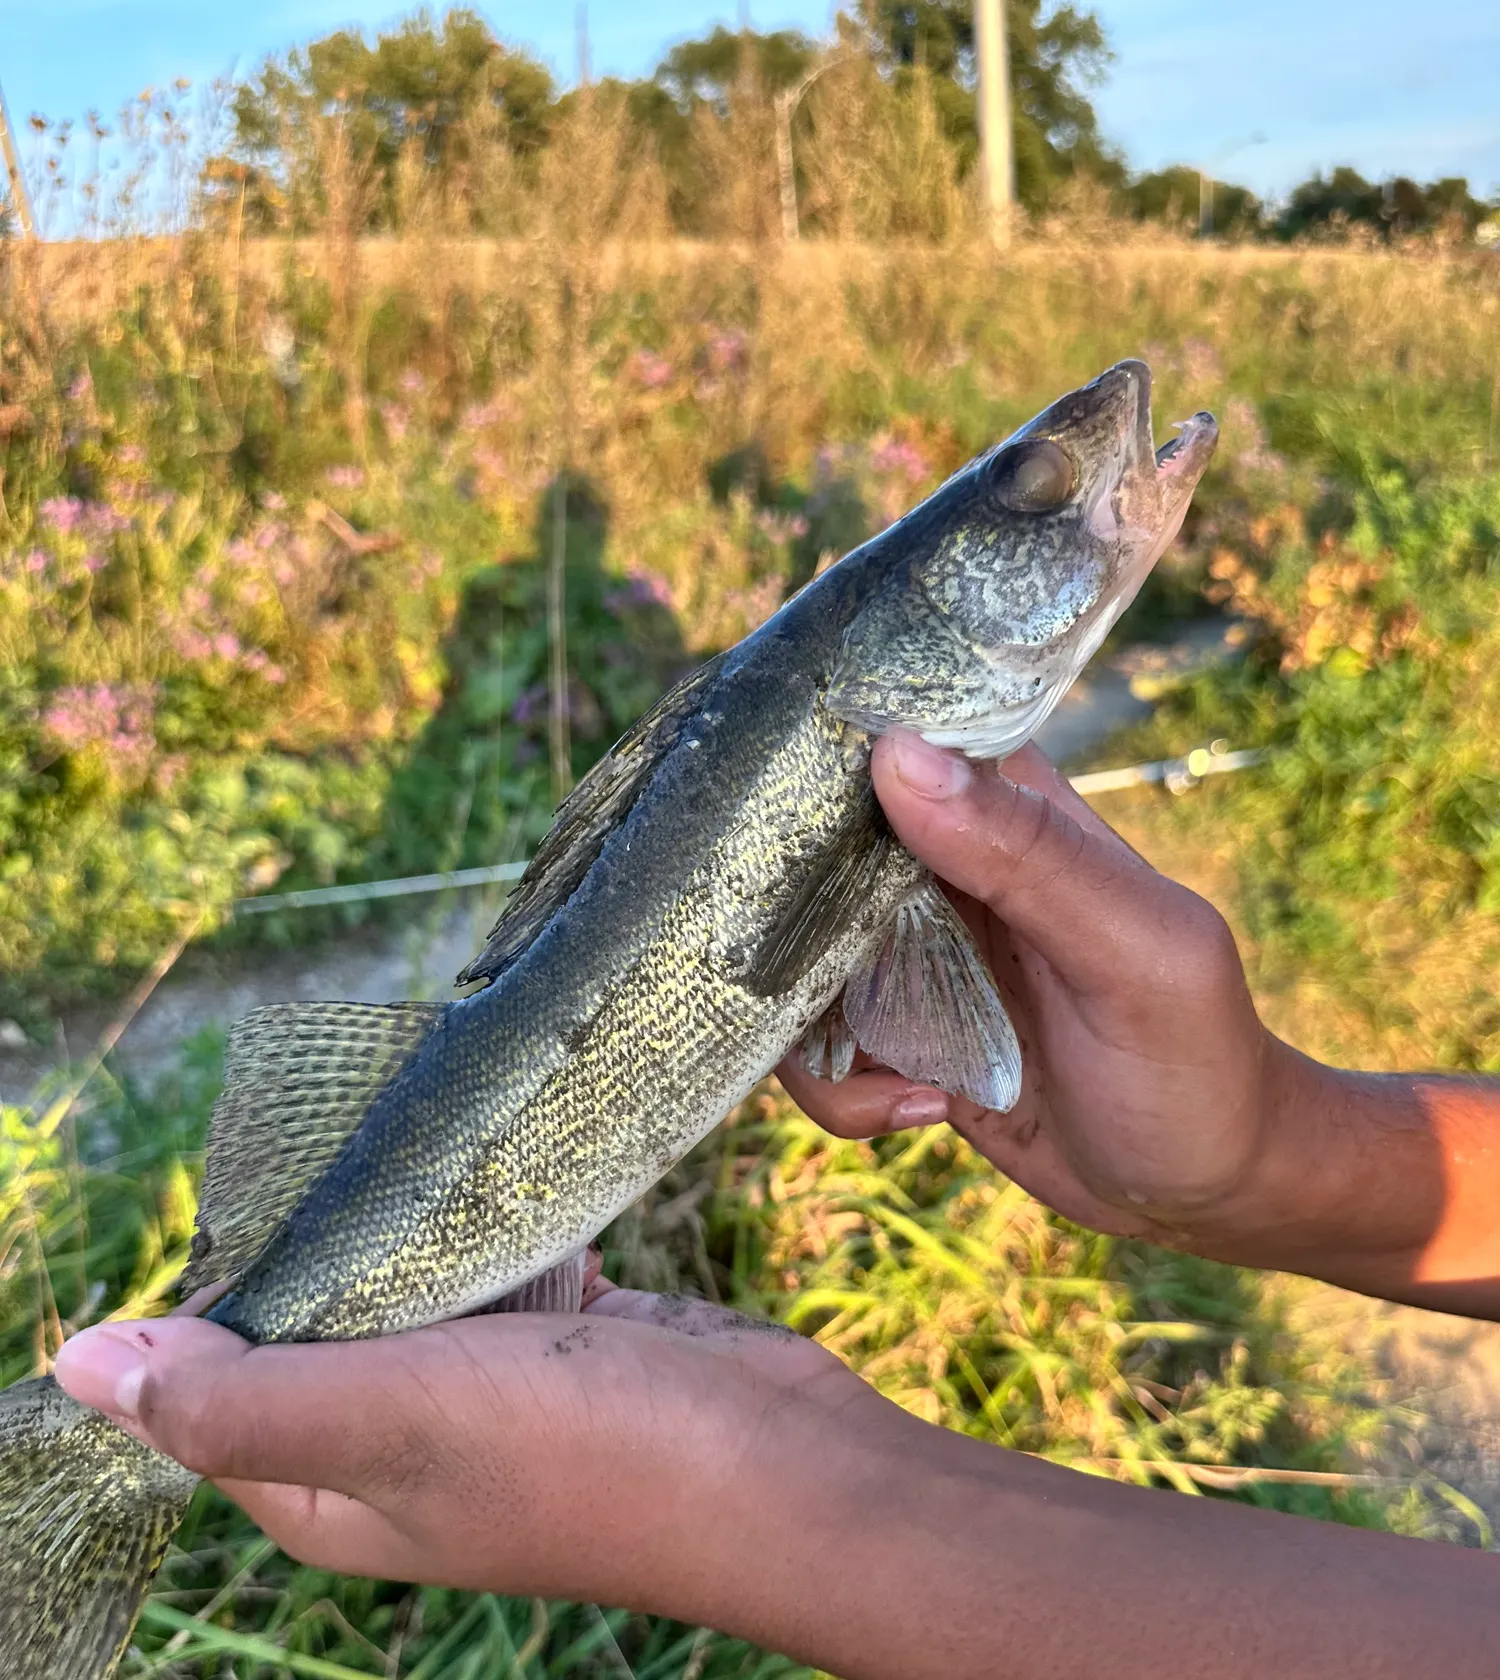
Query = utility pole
x=786 y=103
x=994 y=116
x=1206 y=179
x=20 y=198
x=583 y=44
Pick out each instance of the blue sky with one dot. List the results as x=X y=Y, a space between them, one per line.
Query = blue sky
x=1383 y=84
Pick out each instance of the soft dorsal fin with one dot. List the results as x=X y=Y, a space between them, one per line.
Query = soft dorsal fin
x=585 y=820
x=298 y=1080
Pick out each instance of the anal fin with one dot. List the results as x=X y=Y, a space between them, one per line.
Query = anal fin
x=557 y=1290
x=926 y=1005
x=298 y=1080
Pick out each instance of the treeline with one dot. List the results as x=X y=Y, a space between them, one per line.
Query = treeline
x=870 y=133
x=1343 y=201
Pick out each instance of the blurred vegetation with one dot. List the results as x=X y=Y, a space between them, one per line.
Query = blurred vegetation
x=276 y=530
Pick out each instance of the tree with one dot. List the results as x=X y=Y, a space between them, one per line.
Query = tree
x=430 y=92
x=1395 y=206
x=1053 y=58
x=708 y=71
x=1172 y=195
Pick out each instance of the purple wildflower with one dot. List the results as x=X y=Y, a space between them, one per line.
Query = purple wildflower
x=641 y=588
x=412 y=382
x=728 y=350
x=227 y=645
x=118 y=719
x=63 y=513
x=345 y=478
x=395 y=419
x=36 y=561
x=781 y=527
x=651 y=370
x=95 y=562
x=896 y=458
x=478 y=417
x=530 y=704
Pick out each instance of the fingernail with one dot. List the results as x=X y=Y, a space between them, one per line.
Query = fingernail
x=921 y=1108
x=105 y=1367
x=932 y=771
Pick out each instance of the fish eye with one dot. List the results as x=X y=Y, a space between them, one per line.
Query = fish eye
x=1034 y=477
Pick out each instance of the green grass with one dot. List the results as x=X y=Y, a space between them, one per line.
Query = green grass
x=947 y=1288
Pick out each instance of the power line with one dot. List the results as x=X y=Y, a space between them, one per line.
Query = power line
x=1177 y=774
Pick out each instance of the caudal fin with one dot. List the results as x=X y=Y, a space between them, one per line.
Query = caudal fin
x=86 y=1512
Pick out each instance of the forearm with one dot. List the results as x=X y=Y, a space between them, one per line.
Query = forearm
x=921 y=1555
x=1384 y=1183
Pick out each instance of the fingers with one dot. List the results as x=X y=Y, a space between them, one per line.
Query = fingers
x=866 y=1104
x=1052 y=872
x=351 y=1416
x=327 y=1530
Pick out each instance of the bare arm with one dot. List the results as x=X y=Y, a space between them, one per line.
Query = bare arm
x=1155 y=1103
x=680 y=1460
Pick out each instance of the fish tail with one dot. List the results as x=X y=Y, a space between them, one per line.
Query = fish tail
x=86 y=1512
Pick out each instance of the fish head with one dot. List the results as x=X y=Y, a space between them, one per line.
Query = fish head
x=993 y=595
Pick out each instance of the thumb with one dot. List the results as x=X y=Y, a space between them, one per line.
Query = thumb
x=1045 y=864
x=308 y=1415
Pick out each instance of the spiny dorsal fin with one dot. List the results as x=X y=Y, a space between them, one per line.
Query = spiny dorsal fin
x=585 y=820
x=832 y=893
x=298 y=1080
x=926 y=1005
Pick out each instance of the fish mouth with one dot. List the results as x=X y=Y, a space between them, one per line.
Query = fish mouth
x=1184 y=457
x=1181 y=460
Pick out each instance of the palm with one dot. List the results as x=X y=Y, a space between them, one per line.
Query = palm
x=1141 y=1051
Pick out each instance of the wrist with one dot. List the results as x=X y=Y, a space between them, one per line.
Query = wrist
x=1344 y=1184
x=776 y=1505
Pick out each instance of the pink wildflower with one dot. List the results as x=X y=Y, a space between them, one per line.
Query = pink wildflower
x=651 y=370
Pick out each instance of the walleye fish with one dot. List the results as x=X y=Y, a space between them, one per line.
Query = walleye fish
x=718 y=888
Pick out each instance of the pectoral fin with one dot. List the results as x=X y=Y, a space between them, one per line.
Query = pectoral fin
x=828 y=899
x=926 y=1005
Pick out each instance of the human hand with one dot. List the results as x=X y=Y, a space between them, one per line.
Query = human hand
x=1150 y=1087
x=676 y=1459
x=561 y=1456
